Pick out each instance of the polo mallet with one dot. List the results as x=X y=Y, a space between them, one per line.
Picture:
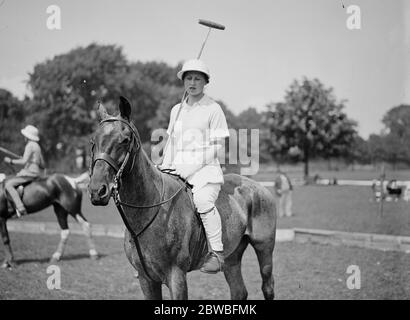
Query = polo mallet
x=11 y=154
x=211 y=25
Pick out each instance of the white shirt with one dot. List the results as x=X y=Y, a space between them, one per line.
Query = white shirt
x=195 y=128
x=285 y=183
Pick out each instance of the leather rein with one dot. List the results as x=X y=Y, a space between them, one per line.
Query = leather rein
x=119 y=169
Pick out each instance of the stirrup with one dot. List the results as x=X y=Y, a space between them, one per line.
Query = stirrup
x=21 y=213
x=219 y=257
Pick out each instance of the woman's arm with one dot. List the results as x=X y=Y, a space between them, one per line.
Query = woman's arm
x=26 y=157
x=207 y=156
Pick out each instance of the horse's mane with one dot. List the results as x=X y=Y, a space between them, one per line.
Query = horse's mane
x=144 y=154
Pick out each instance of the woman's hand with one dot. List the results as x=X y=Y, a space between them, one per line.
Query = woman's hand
x=186 y=170
x=7 y=160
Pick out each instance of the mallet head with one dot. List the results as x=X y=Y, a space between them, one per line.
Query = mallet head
x=211 y=24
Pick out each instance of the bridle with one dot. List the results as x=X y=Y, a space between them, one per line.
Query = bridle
x=119 y=170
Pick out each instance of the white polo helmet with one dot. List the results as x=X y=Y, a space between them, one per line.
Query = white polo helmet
x=31 y=133
x=193 y=65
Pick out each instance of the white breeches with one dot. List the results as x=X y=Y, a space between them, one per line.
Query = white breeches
x=285 y=204
x=204 y=200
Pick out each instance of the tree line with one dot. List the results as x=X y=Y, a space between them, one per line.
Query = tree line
x=309 y=123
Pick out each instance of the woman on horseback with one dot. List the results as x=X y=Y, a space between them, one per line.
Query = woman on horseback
x=196 y=129
x=33 y=166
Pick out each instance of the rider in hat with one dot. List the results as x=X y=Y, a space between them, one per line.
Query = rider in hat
x=199 y=126
x=32 y=163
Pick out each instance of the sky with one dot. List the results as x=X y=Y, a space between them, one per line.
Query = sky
x=265 y=46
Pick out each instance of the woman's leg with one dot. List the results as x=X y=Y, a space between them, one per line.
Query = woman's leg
x=10 y=186
x=204 y=200
x=289 y=204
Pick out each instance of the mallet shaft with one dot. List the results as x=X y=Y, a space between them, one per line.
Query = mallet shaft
x=9 y=153
x=203 y=44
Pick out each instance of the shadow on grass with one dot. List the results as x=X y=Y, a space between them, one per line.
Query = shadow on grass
x=68 y=257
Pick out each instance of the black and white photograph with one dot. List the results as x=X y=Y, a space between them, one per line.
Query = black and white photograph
x=215 y=151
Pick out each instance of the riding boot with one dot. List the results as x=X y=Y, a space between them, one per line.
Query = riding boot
x=214 y=262
x=21 y=212
x=19 y=205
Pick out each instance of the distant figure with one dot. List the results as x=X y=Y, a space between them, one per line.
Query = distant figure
x=394 y=190
x=33 y=166
x=283 y=190
x=406 y=193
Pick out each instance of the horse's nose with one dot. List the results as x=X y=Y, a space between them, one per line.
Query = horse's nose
x=102 y=192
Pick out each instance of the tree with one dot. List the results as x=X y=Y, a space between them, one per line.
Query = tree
x=251 y=119
x=11 y=120
x=65 y=89
x=309 y=123
x=397 y=121
x=397 y=125
x=359 y=152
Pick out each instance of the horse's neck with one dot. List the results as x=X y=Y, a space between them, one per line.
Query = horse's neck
x=142 y=185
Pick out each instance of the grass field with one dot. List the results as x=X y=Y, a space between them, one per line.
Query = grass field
x=296 y=172
x=302 y=271
x=345 y=208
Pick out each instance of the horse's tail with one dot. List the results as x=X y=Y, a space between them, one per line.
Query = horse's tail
x=80 y=181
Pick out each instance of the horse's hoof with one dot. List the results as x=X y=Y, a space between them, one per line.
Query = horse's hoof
x=94 y=256
x=7 y=265
x=54 y=259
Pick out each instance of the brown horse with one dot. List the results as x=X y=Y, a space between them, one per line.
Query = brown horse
x=58 y=190
x=164 y=238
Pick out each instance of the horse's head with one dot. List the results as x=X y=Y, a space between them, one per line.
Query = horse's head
x=114 y=148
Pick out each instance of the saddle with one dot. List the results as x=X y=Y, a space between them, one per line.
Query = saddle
x=188 y=186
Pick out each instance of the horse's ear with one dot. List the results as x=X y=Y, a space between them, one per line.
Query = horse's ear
x=102 y=112
x=125 y=108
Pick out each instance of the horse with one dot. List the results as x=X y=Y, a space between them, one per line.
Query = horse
x=164 y=238
x=63 y=194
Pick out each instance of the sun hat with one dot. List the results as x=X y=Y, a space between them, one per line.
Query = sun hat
x=30 y=132
x=193 y=65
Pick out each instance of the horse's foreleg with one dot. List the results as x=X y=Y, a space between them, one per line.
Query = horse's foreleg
x=233 y=273
x=61 y=245
x=177 y=285
x=8 y=259
x=62 y=215
x=151 y=290
x=87 y=231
